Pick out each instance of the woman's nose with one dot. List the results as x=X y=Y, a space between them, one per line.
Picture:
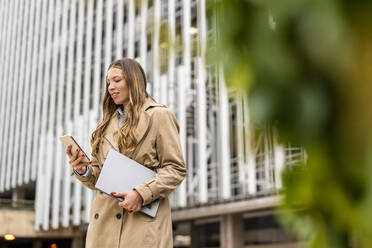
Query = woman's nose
x=111 y=86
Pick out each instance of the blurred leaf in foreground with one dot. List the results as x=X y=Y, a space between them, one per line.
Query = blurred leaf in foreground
x=306 y=66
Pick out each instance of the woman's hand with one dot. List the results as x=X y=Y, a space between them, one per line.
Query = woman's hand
x=75 y=160
x=132 y=200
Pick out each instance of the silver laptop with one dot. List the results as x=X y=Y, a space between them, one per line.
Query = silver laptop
x=121 y=174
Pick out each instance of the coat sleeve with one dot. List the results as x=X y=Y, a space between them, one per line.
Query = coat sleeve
x=172 y=166
x=91 y=178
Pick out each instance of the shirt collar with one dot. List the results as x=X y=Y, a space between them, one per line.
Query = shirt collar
x=120 y=112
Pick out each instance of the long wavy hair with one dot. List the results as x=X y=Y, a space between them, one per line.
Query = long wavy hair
x=136 y=80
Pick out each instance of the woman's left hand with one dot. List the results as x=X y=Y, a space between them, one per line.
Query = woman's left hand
x=132 y=200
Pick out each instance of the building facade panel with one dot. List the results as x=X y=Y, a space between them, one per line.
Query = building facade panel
x=60 y=51
x=4 y=56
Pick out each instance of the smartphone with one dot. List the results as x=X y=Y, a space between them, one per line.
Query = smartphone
x=69 y=140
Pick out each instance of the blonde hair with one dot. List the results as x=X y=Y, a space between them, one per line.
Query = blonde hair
x=136 y=80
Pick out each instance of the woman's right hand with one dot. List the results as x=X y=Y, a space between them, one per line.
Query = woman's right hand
x=75 y=160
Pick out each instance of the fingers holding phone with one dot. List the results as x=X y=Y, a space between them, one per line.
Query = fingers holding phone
x=76 y=160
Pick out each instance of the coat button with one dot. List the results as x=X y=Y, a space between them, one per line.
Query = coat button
x=96 y=216
x=118 y=216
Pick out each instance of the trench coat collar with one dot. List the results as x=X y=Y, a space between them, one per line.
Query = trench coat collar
x=142 y=127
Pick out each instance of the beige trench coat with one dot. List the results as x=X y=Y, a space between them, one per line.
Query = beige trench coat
x=158 y=148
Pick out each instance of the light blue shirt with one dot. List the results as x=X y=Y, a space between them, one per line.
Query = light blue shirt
x=121 y=116
x=120 y=113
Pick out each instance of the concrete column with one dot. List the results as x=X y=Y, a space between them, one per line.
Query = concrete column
x=77 y=242
x=37 y=244
x=232 y=231
x=17 y=194
x=194 y=235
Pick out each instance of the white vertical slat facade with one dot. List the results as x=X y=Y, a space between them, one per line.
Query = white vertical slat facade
x=50 y=140
x=88 y=78
x=27 y=96
x=238 y=131
x=224 y=151
x=201 y=101
x=130 y=28
x=25 y=8
x=202 y=133
x=250 y=163
x=108 y=32
x=60 y=158
x=181 y=115
x=32 y=100
x=12 y=98
x=78 y=124
x=66 y=213
x=3 y=19
x=143 y=34
x=54 y=58
x=36 y=145
x=13 y=165
x=163 y=89
x=5 y=42
x=97 y=57
x=172 y=52
x=120 y=27
x=43 y=186
x=155 y=50
x=185 y=74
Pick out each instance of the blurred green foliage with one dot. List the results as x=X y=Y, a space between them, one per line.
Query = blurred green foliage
x=307 y=68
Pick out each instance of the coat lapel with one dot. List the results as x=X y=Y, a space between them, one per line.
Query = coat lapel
x=142 y=127
x=144 y=120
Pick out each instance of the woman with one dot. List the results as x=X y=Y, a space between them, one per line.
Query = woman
x=134 y=124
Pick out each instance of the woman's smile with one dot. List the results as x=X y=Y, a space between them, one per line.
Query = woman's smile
x=114 y=94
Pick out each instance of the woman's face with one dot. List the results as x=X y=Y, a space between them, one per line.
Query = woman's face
x=117 y=86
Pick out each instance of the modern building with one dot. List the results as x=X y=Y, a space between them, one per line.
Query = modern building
x=53 y=59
